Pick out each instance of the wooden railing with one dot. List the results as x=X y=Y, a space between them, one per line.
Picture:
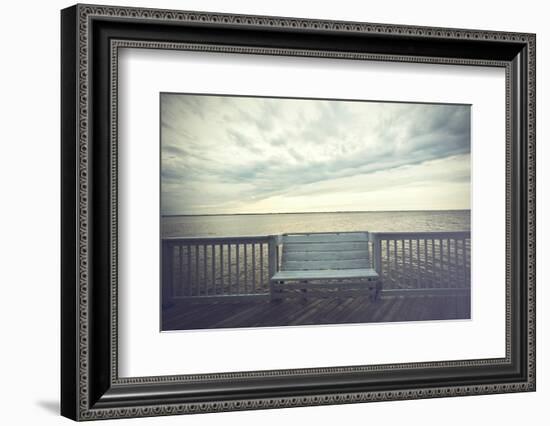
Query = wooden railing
x=224 y=267
x=423 y=261
x=217 y=266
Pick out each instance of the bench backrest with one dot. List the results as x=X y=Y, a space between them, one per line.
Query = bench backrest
x=315 y=251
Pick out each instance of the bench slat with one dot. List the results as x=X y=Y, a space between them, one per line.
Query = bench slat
x=325 y=274
x=325 y=237
x=319 y=258
x=325 y=255
x=342 y=246
x=324 y=264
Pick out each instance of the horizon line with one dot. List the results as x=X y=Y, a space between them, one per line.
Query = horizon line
x=324 y=212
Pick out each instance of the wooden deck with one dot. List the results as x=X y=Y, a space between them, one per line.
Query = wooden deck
x=313 y=311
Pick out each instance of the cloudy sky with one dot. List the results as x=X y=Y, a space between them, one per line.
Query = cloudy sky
x=224 y=155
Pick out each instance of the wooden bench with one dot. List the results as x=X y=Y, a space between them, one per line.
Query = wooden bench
x=338 y=261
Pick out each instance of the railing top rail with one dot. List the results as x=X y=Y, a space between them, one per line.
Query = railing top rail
x=325 y=232
x=220 y=240
x=421 y=235
x=278 y=238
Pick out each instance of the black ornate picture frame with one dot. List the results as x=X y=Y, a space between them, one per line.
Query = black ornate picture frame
x=91 y=38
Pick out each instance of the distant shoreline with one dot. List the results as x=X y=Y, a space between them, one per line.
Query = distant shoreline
x=334 y=212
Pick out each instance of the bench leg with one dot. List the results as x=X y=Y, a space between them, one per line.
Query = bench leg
x=304 y=292
x=276 y=291
x=378 y=290
x=375 y=288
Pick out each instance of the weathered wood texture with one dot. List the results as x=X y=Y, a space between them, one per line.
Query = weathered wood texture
x=425 y=260
x=316 y=260
x=325 y=274
x=328 y=310
x=318 y=251
x=214 y=267
x=325 y=256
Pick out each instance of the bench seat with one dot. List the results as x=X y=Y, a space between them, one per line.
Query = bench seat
x=325 y=274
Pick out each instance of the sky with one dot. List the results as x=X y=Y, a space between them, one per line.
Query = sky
x=229 y=155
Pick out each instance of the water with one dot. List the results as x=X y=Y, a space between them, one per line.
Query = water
x=272 y=224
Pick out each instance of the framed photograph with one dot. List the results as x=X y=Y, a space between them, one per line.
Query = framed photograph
x=264 y=212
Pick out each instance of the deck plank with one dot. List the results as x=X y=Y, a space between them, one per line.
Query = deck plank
x=314 y=315
x=314 y=310
x=379 y=315
x=270 y=315
x=237 y=317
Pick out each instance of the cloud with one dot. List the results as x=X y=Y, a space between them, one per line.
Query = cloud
x=222 y=154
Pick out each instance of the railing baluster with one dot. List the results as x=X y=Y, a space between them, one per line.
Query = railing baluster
x=181 y=279
x=435 y=267
x=174 y=282
x=272 y=265
x=465 y=255
x=417 y=263
x=205 y=255
x=403 y=266
x=262 y=266
x=406 y=264
x=459 y=265
x=189 y=259
x=377 y=255
x=167 y=274
x=447 y=262
x=190 y=268
x=213 y=250
x=395 y=269
x=253 y=267
x=429 y=258
x=410 y=265
x=407 y=271
x=450 y=262
x=465 y=260
x=422 y=261
x=229 y=289
x=445 y=244
x=427 y=263
x=245 y=270
x=189 y=278
x=403 y=278
x=238 y=268
x=221 y=269
x=442 y=272
x=432 y=264
x=449 y=272
x=457 y=261
x=386 y=263
x=441 y=262
x=433 y=257
x=197 y=278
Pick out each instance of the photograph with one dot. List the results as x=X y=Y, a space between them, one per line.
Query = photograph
x=280 y=211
